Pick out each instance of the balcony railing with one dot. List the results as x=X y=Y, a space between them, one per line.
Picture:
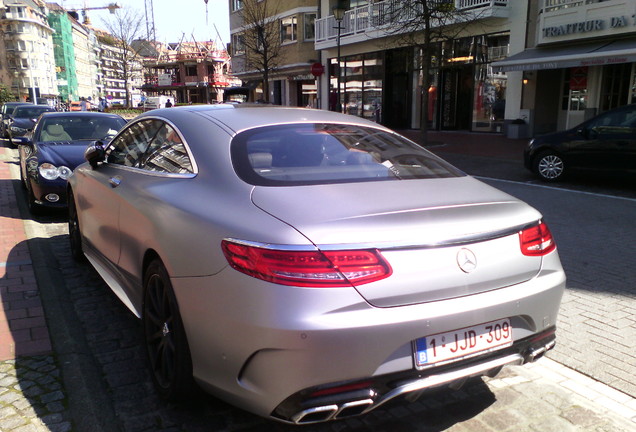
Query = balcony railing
x=378 y=16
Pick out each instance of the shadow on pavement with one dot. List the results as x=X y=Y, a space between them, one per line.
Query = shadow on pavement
x=32 y=392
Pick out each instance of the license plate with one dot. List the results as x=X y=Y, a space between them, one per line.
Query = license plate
x=458 y=344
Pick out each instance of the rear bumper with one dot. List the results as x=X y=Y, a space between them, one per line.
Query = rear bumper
x=301 y=408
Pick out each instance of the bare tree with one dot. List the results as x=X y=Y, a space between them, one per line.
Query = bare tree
x=125 y=27
x=422 y=24
x=262 y=39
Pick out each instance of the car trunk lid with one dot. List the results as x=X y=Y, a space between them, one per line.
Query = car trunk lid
x=443 y=238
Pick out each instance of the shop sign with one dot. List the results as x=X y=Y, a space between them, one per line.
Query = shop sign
x=578 y=78
x=589 y=26
x=302 y=77
x=164 y=79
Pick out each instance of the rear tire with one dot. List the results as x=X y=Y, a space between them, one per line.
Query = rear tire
x=166 y=342
x=549 y=166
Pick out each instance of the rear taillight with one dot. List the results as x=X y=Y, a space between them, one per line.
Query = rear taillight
x=307 y=268
x=537 y=241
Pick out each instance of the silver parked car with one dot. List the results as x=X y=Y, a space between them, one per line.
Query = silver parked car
x=306 y=265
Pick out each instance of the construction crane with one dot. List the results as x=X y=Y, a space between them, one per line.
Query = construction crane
x=150 y=20
x=112 y=7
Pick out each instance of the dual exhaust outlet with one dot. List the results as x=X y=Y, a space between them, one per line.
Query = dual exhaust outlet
x=454 y=379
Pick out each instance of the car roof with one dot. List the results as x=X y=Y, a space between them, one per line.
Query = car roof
x=78 y=114
x=34 y=106
x=240 y=117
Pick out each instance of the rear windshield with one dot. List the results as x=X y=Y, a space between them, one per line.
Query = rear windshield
x=304 y=154
x=30 y=111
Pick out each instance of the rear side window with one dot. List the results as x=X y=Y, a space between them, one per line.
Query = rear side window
x=151 y=145
x=306 y=154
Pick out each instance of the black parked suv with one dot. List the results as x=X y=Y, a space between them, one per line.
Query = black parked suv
x=604 y=142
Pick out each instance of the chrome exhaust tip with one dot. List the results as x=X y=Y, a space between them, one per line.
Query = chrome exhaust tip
x=536 y=353
x=315 y=415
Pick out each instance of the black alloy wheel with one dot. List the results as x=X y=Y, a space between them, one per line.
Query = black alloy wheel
x=166 y=342
x=549 y=166
x=74 y=233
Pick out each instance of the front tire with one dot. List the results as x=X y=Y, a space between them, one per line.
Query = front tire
x=34 y=208
x=74 y=232
x=549 y=166
x=166 y=343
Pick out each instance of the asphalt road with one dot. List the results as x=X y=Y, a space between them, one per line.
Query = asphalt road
x=98 y=343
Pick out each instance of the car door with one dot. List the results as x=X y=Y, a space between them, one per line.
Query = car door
x=101 y=189
x=610 y=141
x=163 y=164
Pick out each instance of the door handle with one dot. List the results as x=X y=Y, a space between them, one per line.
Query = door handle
x=114 y=181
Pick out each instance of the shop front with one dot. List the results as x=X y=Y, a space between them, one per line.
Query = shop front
x=584 y=63
x=464 y=92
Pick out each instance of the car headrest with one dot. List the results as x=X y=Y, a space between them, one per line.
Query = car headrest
x=55 y=129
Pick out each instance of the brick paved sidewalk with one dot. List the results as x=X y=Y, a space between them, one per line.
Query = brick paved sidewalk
x=23 y=329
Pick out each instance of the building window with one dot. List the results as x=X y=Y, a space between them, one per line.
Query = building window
x=191 y=71
x=237 y=5
x=309 y=22
x=238 y=43
x=288 y=28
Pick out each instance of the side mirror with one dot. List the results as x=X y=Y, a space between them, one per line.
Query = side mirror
x=94 y=154
x=26 y=141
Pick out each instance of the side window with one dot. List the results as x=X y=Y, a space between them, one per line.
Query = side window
x=630 y=118
x=128 y=148
x=167 y=153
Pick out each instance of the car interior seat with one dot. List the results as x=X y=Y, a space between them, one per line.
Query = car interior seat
x=55 y=132
x=300 y=151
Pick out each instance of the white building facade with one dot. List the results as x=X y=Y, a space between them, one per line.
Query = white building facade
x=549 y=64
x=28 y=64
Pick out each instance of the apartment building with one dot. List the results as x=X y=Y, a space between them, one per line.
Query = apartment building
x=291 y=81
x=579 y=59
x=84 y=43
x=28 y=64
x=111 y=82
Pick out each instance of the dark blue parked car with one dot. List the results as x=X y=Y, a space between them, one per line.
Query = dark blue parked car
x=22 y=120
x=50 y=153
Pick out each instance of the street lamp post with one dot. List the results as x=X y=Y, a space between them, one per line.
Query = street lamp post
x=338 y=14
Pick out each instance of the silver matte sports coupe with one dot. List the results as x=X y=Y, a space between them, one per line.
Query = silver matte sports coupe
x=306 y=265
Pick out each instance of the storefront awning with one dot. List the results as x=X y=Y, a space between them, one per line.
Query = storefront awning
x=592 y=54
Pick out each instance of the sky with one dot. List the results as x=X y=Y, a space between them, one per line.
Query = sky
x=174 y=19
